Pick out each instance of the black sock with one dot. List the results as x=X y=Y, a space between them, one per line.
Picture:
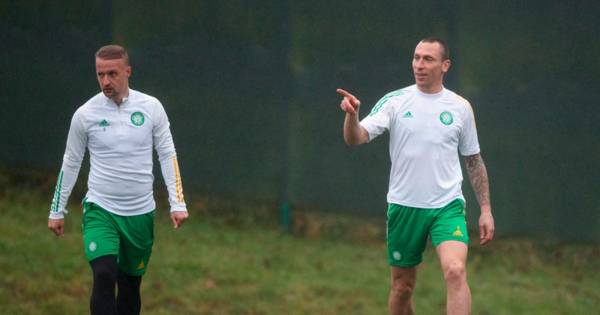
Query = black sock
x=104 y=269
x=128 y=296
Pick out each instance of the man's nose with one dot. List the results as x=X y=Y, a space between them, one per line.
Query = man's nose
x=104 y=80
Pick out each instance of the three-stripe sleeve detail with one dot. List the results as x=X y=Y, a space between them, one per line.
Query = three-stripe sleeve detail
x=56 y=200
x=178 y=186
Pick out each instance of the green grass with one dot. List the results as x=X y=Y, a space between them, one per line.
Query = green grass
x=242 y=264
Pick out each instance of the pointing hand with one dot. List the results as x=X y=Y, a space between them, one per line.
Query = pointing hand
x=350 y=103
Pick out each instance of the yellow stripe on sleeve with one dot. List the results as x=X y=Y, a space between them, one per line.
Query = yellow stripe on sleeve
x=178 y=186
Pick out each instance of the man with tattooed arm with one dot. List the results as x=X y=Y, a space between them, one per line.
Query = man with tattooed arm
x=429 y=125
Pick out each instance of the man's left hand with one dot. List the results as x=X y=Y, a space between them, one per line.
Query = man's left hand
x=177 y=217
x=486 y=227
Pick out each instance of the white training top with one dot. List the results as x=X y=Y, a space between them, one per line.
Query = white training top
x=426 y=133
x=120 y=140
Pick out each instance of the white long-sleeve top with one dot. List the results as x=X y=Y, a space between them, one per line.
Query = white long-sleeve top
x=120 y=139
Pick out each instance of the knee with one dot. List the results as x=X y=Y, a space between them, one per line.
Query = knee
x=128 y=281
x=402 y=290
x=105 y=275
x=104 y=270
x=455 y=273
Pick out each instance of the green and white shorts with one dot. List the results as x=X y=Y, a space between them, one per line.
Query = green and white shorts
x=130 y=238
x=408 y=229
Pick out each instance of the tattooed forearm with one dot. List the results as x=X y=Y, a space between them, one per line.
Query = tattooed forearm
x=479 y=178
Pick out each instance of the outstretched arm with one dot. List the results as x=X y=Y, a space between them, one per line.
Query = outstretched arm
x=354 y=133
x=479 y=181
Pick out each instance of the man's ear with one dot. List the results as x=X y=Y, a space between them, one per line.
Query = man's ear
x=446 y=65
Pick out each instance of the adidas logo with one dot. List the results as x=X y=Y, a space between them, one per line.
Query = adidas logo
x=407 y=115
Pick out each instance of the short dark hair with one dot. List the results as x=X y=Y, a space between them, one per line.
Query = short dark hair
x=110 y=52
x=446 y=52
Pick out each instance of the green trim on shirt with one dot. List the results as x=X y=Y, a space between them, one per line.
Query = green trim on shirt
x=56 y=200
x=384 y=100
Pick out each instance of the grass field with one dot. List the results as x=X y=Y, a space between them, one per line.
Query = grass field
x=230 y=261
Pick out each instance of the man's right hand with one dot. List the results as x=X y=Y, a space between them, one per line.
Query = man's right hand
x=57 y=226
x=350 y=103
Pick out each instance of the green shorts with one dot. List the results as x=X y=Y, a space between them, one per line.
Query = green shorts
x=130 y=238
x=408 y=229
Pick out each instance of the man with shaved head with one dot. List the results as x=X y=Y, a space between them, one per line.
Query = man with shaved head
x=429 y=126
x=120 y=127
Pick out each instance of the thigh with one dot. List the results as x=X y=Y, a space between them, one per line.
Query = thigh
x=137 y=238
x=450 y=224
x=100 y=233
x=407 y=232
x=452 y=254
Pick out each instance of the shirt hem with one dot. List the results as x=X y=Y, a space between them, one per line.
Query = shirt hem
x=469 y=153
x=426 y=205
x=127 y=213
